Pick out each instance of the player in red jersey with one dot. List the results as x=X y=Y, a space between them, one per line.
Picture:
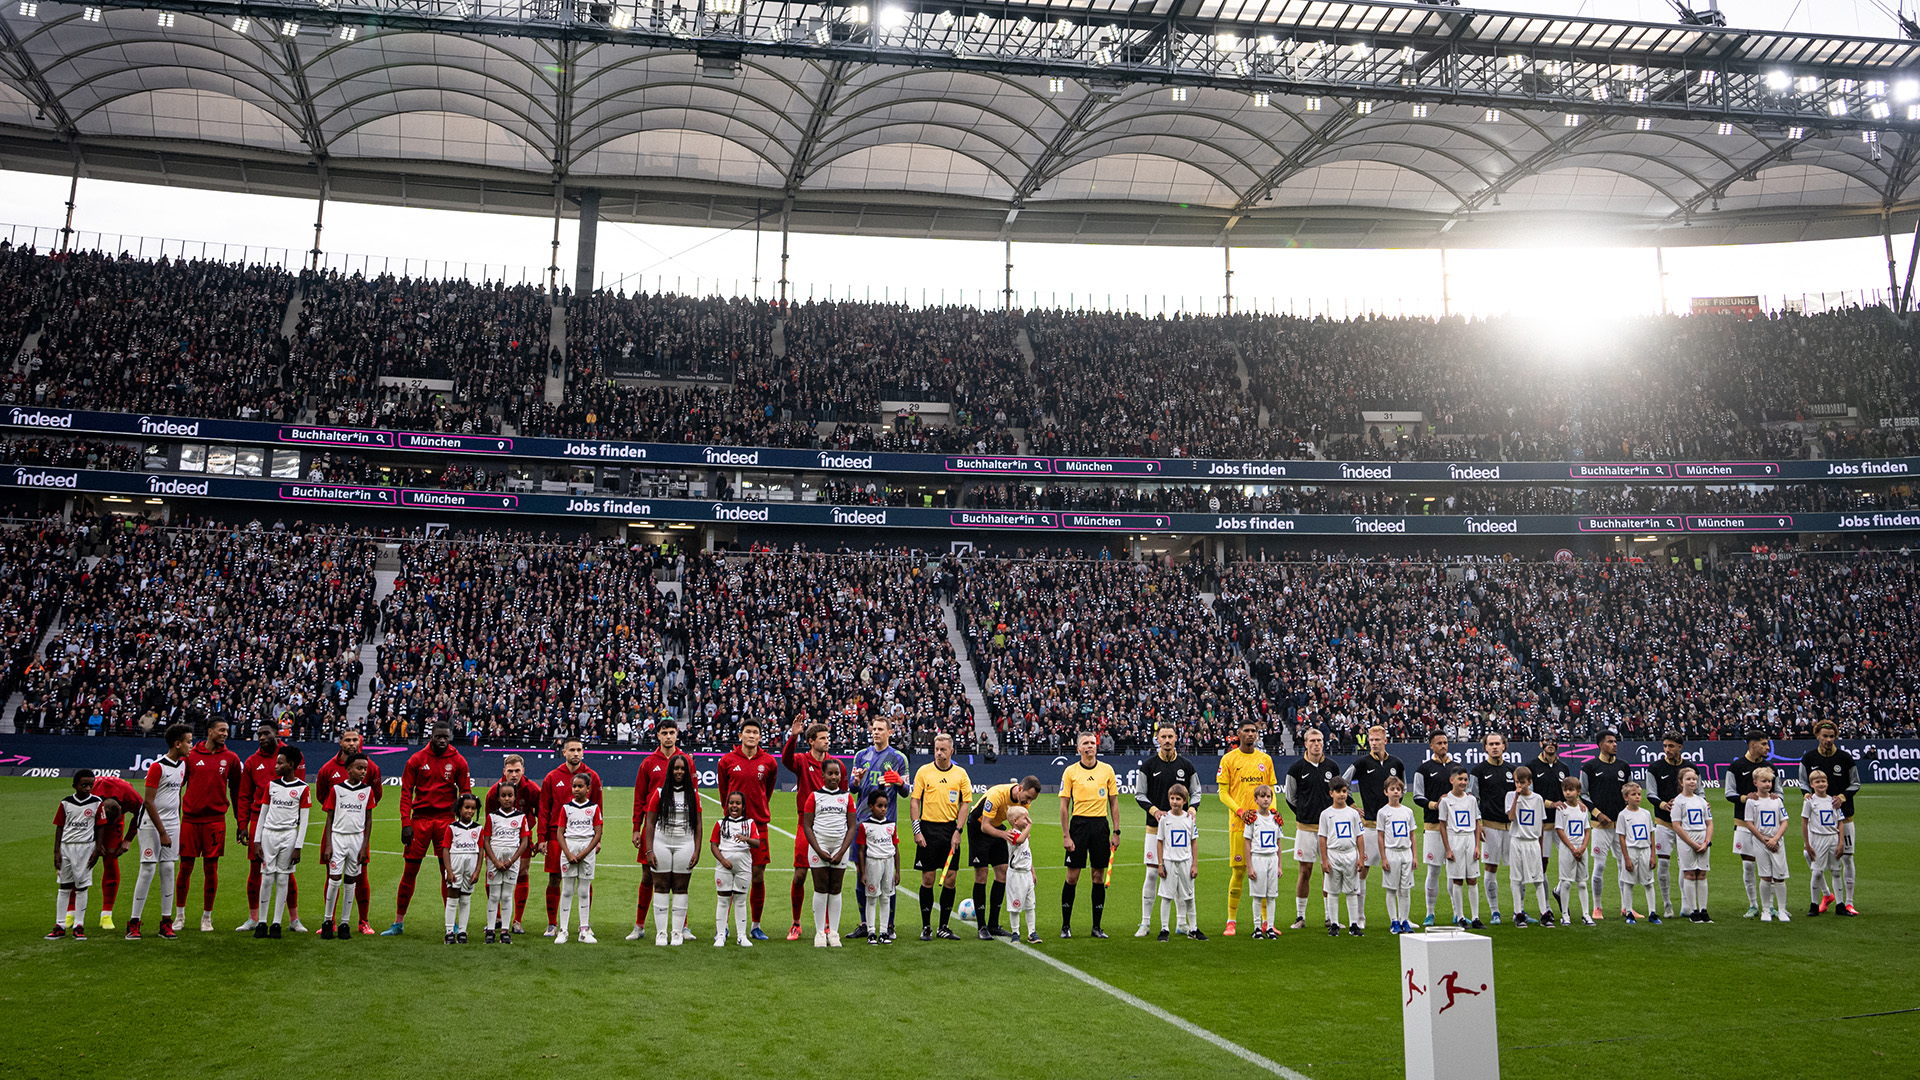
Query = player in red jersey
x=433 y=780
x=257 y=775
x=213 y=786
x=805 y=760
x=653 y=768
x=555 y=792
x=117 y=839
x=335 y=772
x=753 y=773
x=513 y=774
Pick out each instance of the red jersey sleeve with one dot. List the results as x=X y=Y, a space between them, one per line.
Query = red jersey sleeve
x=463 y=781
x=715 y=838
x=326 y=801
x=597 y=819
x=807 y=804
x=60 y=814
x=787 y=754
x=154 y=775
x=653 y=801
x=640 y=796
x=406 y=793
x=306 y=797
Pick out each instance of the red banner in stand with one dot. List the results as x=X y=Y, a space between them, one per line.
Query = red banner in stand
x=1744 y=306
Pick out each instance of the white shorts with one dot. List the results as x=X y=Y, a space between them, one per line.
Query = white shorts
x=1642 y=872
x=1770 y=864
x=1693 y=860
x=1263 y=875
x=1601 y=842
x=510 y=877
x=1433 y=850
x=152 y=850
x=75 y=871
x=1150 y=844
x=1826 y=852
x=1177 y=882
x=576 y=871
x=1397 y=870
x=1463 y=865
x=1494 y=846
x=673 y=851
x=737 y=880
x=819 y=861
x=345 y=861
x=881 y=877
x=1345 y=878
x=1527 y=866
x=1306 y=847
x=277 y=847
x=1571 y=866
x=1663 y=840
x=1741 y=838
x=1370 y=843
x=1020 y=893
x=462 y=870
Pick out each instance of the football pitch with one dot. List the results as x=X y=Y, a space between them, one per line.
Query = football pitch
x=1736 y=999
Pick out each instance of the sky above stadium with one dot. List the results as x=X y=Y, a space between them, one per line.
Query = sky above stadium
x=1543 y=279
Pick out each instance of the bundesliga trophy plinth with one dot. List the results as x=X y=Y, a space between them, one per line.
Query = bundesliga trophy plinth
x=1446 y=1006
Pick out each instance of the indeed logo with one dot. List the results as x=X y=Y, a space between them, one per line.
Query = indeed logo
x=150 y=426
x=1510 y=525
x=1473 y=472
x=1366 y=472
x=42 y=478
x=723 y=512
x=844 y=516
x=1379 y=525
x=716 y=456
x=178 y=487
x=36 y=418
x=845 y=461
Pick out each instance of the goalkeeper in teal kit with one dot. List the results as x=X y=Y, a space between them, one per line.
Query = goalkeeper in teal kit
x=877 y=769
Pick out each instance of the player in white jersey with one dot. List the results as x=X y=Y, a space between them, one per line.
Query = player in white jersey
x=345 y=843
x=1262 y=836
x=735 y=839
x=76 y=845
x=1342 y=864
x=464 y=838
x=508 y=841
x=279 y=832
x=1633 y=832
x=159 y=829
x=879 y=844
x=1570 y=828
x=1021 y=899
x=1396 y=825
x=1178 y=835
x=1765 y=819
x=1821 y=818
x=1693 y=832
x=576 y=832
x=826 y=820
x=1460 y=832
x=1526 y=815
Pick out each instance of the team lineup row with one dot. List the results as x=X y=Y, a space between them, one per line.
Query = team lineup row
x=1472 y=822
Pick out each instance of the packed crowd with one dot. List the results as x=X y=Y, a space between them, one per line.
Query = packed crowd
x=189 y=624
x=1511 y=499
x=37 y=566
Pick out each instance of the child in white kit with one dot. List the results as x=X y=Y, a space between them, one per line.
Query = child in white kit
x=1633 y=832
x=576 y=830
x=1178 y=834
x=1460 y=832
x=1766 y=819
x=465 y=839
x=1526 y=810
x=1570 y=829
x=1693 y=833
x=1263 y=861
x=1820 y=820
x=1020 y=884
x=1342 y=863
x=735 y=836
x=1397 y=825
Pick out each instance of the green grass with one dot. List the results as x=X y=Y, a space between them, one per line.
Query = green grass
x=1735 y=999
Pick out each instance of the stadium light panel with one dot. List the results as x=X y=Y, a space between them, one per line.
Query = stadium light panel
x=1709 y=78
x=1600 y=93
x=29 y=9
x=622 y=18
x=1269 y=43
x=1516 y=62
x=92 y=14
x=242 y=24
x=1796 y=133
x=1569 y=120
x=1262 y=99
x=1492 y=116
x=1313 y=104
x=1880 y=110
x=1226 y=42
x=1726 y=129
x=1179 y=93
x=289 y=28
x=1420 y=111
x=1056 y=84
x=1913 y=112
x=822 y=34
x=1778 y=80
x=1637 y=95
x=1870 y=137
x=1062 y=28
x=1906 y=89
x=1363 y=108
x=348 y=33
x=1807 y=84
x=1644 y=123
x=1359 y=50
x=892 y=16
x=1837 y=107
x=944 y=20
x=1846 y=85
x=1876 y=88
x=982 y=22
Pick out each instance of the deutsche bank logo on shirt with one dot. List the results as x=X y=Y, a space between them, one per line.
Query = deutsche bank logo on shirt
x=1180 y=838
x=1576 y=828
x=1343 y=830
x=1463 y=820
x=1639 y=834
x=1268 y=838
x=1769 y=819
x=1402 y=830
x=1826 y=819
x=1526 y=816
x=1696 y=818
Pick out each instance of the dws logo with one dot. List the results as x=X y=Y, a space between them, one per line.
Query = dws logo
x=45 y=479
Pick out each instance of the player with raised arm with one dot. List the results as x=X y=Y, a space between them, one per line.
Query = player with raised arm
x=878 y=769
x=1308 y=791
x=158 y=830
x=334 y=772
x=1843 y=784
x=1693 y=831
x=805 y=761
x=1429 y=785
x=1491 y=782
x=1663 y=786
x=940 y=791
x=1089 y=828
x=346 y=844
x=1739 y=788
x=987 y=837
x=1603 y=783
x=434 y=778
x=735 y=836
x=1242 y=769
x=753 y=773
x=279 y=834
x=76 y=846
x=672 y=828
x=555 y=790
x=653 y=770
x=576 y=835
x=827 y=822
x=1159 y=772
x=213 y=786
x=1368 y=776
x=526 y=800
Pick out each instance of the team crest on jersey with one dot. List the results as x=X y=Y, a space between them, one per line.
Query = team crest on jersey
x=446 y=770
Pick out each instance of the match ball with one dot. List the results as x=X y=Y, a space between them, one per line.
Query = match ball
x=966 y=908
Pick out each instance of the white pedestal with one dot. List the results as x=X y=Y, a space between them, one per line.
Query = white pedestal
x=1446 y=999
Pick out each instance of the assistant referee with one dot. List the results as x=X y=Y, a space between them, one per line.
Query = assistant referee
x=1089 y=828
x=941 y=792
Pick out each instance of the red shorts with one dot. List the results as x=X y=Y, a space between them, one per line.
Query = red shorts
x=801 y=849
x=553 y=858
x=763 y=855
x=426 y=833
x=203 y=839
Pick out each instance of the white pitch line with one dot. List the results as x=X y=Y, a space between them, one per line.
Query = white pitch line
x=1145 y=1006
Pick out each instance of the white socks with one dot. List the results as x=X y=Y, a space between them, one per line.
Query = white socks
x=677 y=907
x=1491 y=879
x=1300 y=906
x=742 y=910
x=1540 y=894
x=566 y=902
x=279 y=881
x=662 y=911
x=1187 y=916
x=143 y=885
x=459 y=906
x=1750 y=878
x=1846 y=880
x=62 y=897
x=1663 y=876
x=1331 y=901
x=1433 y=890
x=819 y=912
x=1149 y=888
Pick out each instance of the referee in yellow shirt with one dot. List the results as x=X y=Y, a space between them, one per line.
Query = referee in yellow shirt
x=1089 y=827
x=1242 y=769
x=941 y=793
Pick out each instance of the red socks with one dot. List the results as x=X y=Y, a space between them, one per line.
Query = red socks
x=210 y=885
x=405 y=895
x=797 y=895
x=646 y=902
x=363 y=894
x=758 y=899
x=109 y=883
x=253 y=887
x=520 y=898
x=553 y=900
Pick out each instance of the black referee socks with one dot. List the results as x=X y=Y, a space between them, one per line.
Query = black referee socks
x=999 y=897
x=926 y=905
x=1066 y=906
x=946 y=904
x=980 y=904
x=1099 y=902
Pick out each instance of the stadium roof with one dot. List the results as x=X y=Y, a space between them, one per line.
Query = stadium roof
x=1266 y=122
